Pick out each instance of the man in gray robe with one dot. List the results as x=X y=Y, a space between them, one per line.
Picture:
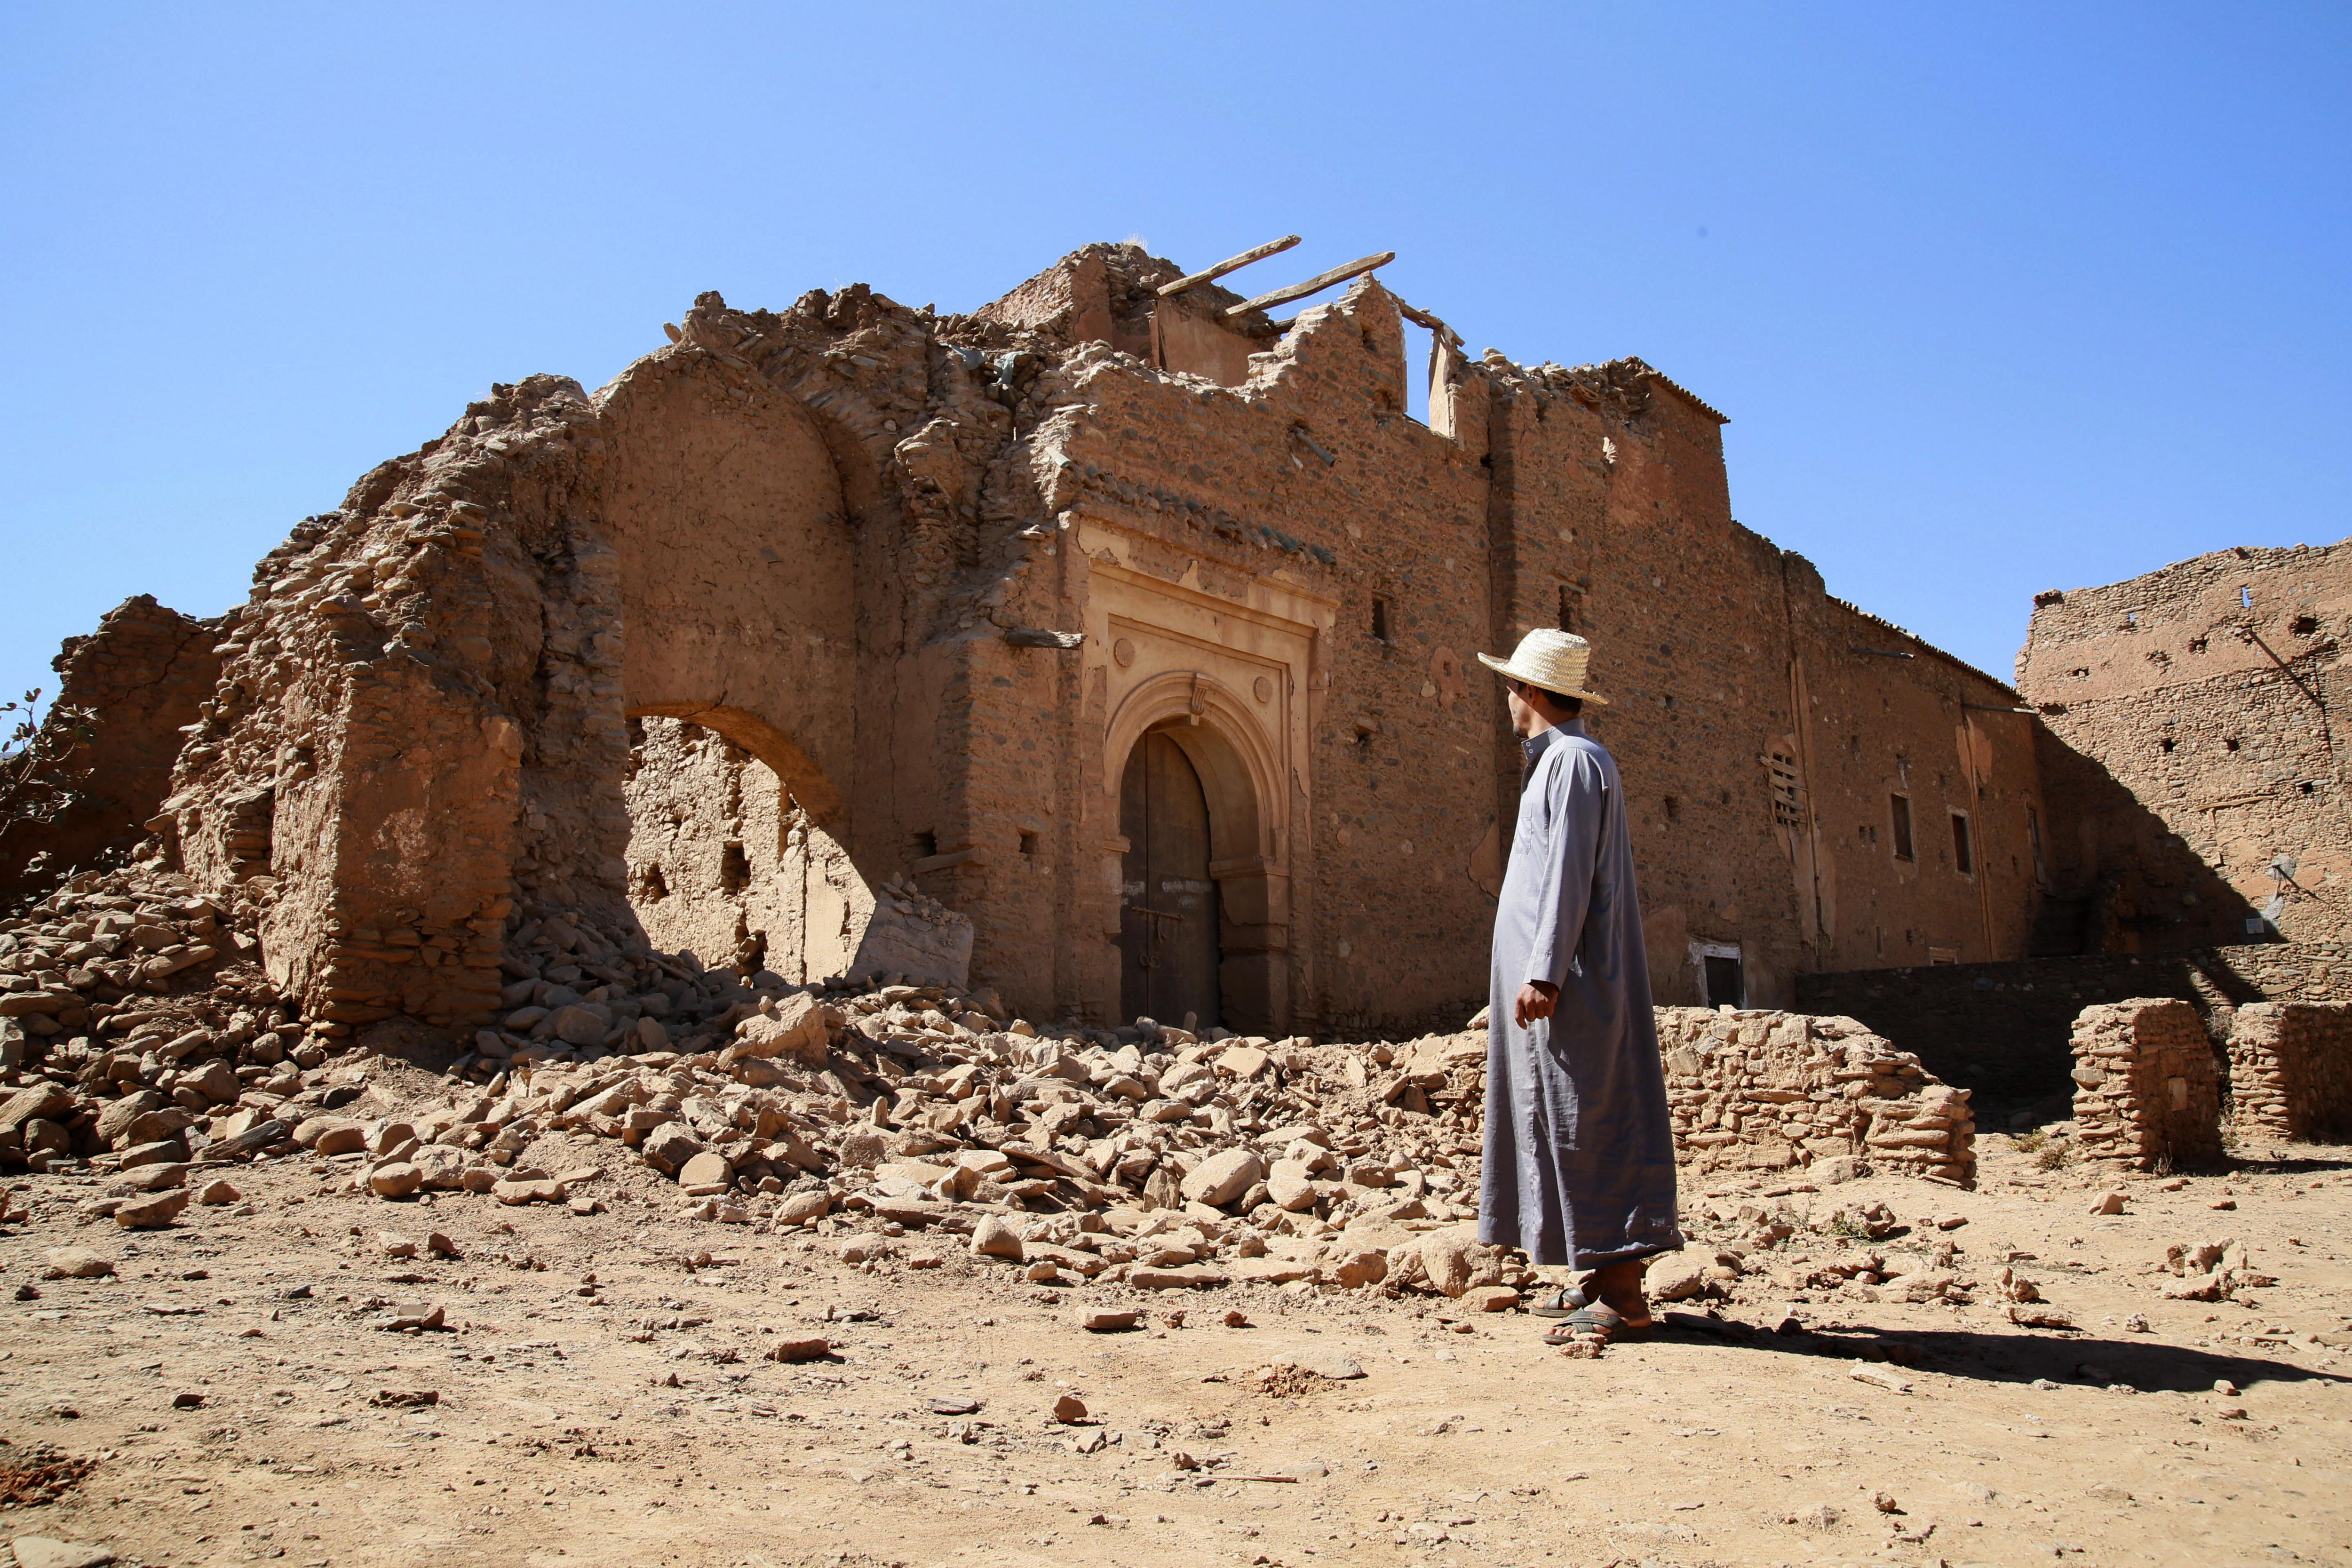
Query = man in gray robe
x=1579 y=1157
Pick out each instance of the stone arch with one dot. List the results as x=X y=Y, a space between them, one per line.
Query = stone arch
x=1239 y=775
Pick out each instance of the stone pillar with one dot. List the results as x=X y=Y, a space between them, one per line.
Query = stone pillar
x=2147 y=1093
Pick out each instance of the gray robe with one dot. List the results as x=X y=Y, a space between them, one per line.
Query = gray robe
x=1579 y=1164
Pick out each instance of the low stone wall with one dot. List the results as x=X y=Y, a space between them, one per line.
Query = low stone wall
x=2291 y=1070
x=2148 y=1094
x=2002 y=1028
x=1760 y=1089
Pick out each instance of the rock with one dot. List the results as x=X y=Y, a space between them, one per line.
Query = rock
x=992 y=1238
x=397 y=1180
x=404 y=1398
x=1446 y=1261
x=444 y=1167
x=1490 y=1298
x=2107 y=1204
x=150 y=1178
x=1877 y=1377
x=1110 y=1322
x=800 y=1350
x=1884 y=1503
x=1186 y=1278
x=1954 y=1221
x=151 y=1212
x=802 y=1209
x=575 y=1024
x=40 y=1102
x=800 y=1027
x=43 y=1552
x=117 y=1117
x=1069 y=1408
x=1322 y=1362
x=441 y=1246
x=708 y=1171
x=1672 y=1279
x=1045 y=1271
x=669 y=1147
x=1353 y=1267
x=1223 y=1177
x=1241 y=1061
x=403 y=1315
x=543 y=1191
x=330 y=1135
x=77 y=1263
x=395 y=1245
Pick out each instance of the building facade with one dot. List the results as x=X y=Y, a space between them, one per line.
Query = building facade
x=1135 y=627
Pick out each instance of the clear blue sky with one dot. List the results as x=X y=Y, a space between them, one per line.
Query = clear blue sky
x=1999 y=297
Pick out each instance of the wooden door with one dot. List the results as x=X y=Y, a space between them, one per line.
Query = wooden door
x=1168 y=907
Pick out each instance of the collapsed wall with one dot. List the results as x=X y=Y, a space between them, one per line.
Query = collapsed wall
x=1768 y=1090
x=2291 y=1071
x=2149 y=1094
x=124 y=694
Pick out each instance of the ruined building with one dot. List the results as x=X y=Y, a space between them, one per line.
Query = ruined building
x=2192 y=748
x=1112 y=642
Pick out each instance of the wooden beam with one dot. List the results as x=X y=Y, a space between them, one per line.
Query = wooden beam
x=1232 y=264
x=1315 y=285
x=1423 y=319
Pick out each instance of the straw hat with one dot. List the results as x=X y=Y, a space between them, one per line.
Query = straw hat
x=1549 y=661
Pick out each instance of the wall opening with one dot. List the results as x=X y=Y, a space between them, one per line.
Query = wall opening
x=725 y=864
x=1169 y=954
x=1899 y=807
x=1722 y=975
x=1964 y=859
x=1379 y=623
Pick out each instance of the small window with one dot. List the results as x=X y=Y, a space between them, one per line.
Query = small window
x=2245 y=598
x=2196 y=645
x=1902 y=825
x=734 y=870
x=1029 y=843
x=1673 y=808
x=925 y=844
x=2308 y=788
x=1786 y=812
x=1380 y=617
x=2305 y=626
x=1943 y=956
x=2230 y=745
x=1568 y=597
x=1963 y=857
x=2166 y=745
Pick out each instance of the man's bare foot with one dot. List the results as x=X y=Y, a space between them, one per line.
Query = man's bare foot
x=1618 y=1287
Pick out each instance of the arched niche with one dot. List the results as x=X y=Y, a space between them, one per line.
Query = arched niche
x=1236 y=762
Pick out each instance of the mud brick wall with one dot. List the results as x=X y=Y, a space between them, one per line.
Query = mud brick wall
x=1768 y=1090
x=2150 y=1091
x=142 y=675
x=2004 y=1029
x=2201 y=696
x=2291 y=1070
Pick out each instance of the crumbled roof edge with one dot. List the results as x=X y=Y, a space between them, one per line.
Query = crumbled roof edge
x=1953 y=659
x=1671 y=384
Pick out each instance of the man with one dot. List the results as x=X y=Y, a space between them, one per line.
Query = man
x=1580 y=1163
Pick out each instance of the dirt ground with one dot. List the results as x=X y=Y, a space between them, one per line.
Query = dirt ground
x=598 y=1399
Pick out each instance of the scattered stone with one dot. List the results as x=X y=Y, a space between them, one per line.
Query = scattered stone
x=1490 y=1298
x=706 y=1173
x=395 y=1245
x=398 y=1180
x=1328 y=1364
x=404 y=1398
x=77 y=1263
x=1236 y=1319
x=1110 y=1322
x=217 y=1194
x=955 y=1406
x=1225 y=1176
x=1863 y=1372
x=188 y=1400
x=2224 y=1387
x=2109 y=1203
x=151 y=1212
x=800 y=1350
x=802 y=1209
x=404 y=1315
x=544 y=1190
x=1069 y=1408
x=992 y=1238
x=441 y=1246
x=42 y=1552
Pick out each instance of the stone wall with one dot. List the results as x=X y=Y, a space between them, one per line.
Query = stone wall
x=2005 y=1028
x=1768 y=1090
x=2201 y=699
x=2291 y=1071
x=141 y=677
x=2149 y=1094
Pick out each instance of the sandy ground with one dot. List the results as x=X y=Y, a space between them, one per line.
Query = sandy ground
x=233 y=1417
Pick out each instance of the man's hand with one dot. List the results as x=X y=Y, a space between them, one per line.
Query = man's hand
x=1536 y=1000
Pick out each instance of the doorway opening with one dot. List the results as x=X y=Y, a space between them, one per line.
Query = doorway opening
x=1723 y=981
x=1167 y=924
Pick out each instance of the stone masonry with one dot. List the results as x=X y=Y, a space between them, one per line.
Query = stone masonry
x=2291 y=1071
x=146 y=673
x=2149 y=1094
x=933 y=579
x=2190 y=744
x=1753 y=1090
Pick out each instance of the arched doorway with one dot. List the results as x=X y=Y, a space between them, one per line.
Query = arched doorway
x=1169 y=948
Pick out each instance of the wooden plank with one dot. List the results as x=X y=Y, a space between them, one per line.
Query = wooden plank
x=1423 y=319
x=1232 y=264
x=1315 y=285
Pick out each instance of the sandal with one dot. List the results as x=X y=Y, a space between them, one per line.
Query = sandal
x=1560 y=1303
x=1586 y=1325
